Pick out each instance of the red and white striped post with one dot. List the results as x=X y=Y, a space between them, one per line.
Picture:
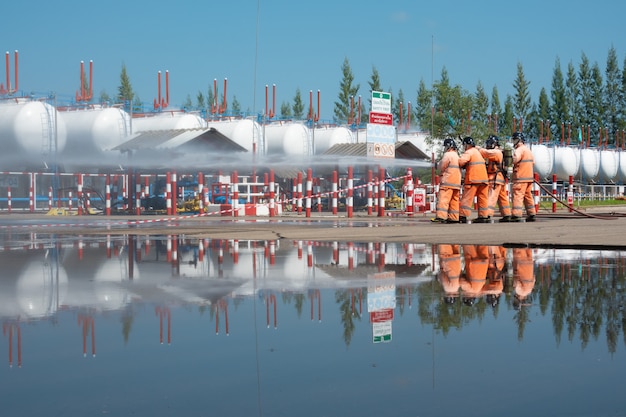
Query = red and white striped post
x=137 y=194
x=335 y=195
x=49 y=198
x=536 y=192
x=350 y=256
x=294 y=194
x=309 y=254
x=370 y=187
x=350 y=197
x=381 y=192
x=31 y=193
x=79 y=194
x=201 y=191
x=272 y=193
x=570 y=193
x=554 y=188
x=168 y=193
x=146 y=186
x=309 y=183
x=318 y=193
x=107 y=195
x=174 y=194
x=299 y=192
x=9 y=198
x=409 y=191
x=124 y=193
x=235 y=194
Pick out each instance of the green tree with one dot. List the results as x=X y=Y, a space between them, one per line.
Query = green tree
x=375 y=85
x=346 y=90
x=521 y=100
x=508 y=115
x=397 y=104
x=544 y=114
x=104 y=97
x=585 y=83
x=200 y=104
x=496 y=110
x=613 y=97
x=235 y=106
x=298 y=106
x=480 y=121
x=187 y=104
x=423 y=107
x=125 y=89
x=572 y=95
x=597 y=88
x=285 y=110
x=558 y=109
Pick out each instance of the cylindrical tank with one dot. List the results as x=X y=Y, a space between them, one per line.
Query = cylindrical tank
x=589 y=164
x=543 y=160
x=167 y=121
x=244 y=132
x=565 y=163
x=326 y=138
x=27 y=128
x=622 y=166
x=608 y=166
x=287 y=139
x=96 y=129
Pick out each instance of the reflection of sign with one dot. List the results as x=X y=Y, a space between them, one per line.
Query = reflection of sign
x=381 y=102
x=381 y=315
x=381 y=332
x=9 y=182
x=381 y=118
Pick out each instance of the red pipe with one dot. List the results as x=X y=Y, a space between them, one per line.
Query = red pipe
x=90 y=79
x=8 y=75
x=408 y=115
x=167 y=88
x=310 y=104
x=266 y=101
x=224 y=105
x=273 y=100
x=318 y=106
x=401 y=119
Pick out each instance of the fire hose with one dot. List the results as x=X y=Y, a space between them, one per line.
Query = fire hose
x=549 y=192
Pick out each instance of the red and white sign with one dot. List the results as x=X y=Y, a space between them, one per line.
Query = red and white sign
x=381 y=315
x=381 y=118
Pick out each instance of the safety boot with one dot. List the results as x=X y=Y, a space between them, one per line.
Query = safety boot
x=515 y=219
x=530 y=218
x=482 y=220
x=505 y=219
x=462 y=219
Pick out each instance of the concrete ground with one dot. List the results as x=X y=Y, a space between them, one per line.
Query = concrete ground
x=603 y=227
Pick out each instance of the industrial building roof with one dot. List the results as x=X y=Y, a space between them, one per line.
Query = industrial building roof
x=190 y=140
x=404 y=150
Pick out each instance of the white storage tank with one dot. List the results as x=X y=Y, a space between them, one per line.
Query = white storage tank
x=543 y=160
x=326 y=137
x=171 y=120
x=589 y=164
x=287 y=139
x=565 y=163
x=608 y=166
x=27 y=128
x=95 y=129
x=244 y=132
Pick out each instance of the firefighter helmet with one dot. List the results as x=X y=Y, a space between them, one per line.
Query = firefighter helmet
x=449 y=144
x=468 y=140
x=518 y=137
x=492 y=141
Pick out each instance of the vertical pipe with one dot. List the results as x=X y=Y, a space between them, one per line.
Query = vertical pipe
x=31 y=193
x=137 y=194
x=300 y=192
x=200 y=195
x=536 y=192
x=167 y=88
x=335 y=192
x=235 y=194
x=570 y=193
x=9 y=199
x=349 y=197
x=50 y=198
x=272 y=193
x=381 y=192
x=554 y=184
x=79 y=194
x=107 y=197
x=309 y=179
x=168 y=193
x=369 y=192
x=409 y=191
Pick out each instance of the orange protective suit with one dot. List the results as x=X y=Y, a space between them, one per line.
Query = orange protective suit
x=498 y=195
x=476 y=265
x=476 y=183
x=523 y=273
x=449 y=187
x=449 y=269
x=523 y=178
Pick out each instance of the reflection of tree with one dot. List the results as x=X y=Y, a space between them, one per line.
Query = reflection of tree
x=128 y=316
x=297 y=299
x=344 y=299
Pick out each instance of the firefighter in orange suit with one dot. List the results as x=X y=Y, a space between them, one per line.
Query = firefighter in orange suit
x=523 y=275
x=475 y=277
x=476 y=183
x=450 y=185
x=523 y=178
x=449 y=271
x=496 y=270
x=497 y=182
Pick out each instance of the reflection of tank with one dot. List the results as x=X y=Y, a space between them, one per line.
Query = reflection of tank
x=96 y=129
x=589 y=164
x=28 y=127
x=287 y=139
x=326 y=138
x=608 y=166
x=543 y=160
x=167 y=121
x=32 y=284
x=245 y=133
x=565 y=163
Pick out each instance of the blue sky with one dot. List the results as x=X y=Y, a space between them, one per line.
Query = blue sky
x=300 y=44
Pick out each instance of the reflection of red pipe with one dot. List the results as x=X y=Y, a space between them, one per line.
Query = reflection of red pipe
x=221 y=305
x=271 y=299
x=164 y=312
x=8 y=328
x=88 y=324
x=315 y=295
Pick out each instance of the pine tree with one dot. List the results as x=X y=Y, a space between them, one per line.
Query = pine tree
x=521 y=100
x=285 y=110
x=572 y=92
x=346 y=91
x=423 y=107
x=125 y=90
x=585 y=92
x=558 y=110
x=374 y=84
x=235 y=106
x=298 y=106
x=613 y=98
x=480 y=120
x=496 y=110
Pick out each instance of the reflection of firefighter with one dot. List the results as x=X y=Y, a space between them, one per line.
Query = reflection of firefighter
x=496 y=272
x=523 y=276
x=475 y=276
x=449 y=271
